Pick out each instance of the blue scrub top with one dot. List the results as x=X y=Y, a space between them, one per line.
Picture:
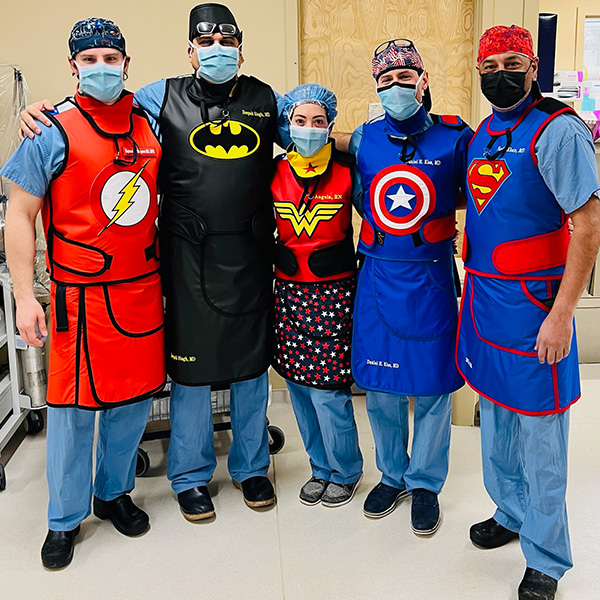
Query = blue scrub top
x=567 y=162
x=35 y=161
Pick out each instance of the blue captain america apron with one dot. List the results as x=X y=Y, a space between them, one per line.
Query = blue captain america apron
x=405 y=314
x=515 y=250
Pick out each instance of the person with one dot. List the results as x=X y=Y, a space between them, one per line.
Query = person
x=531 y=163
x=218 y=131
x=107 y=345
x=405 y=315
x=315 y=270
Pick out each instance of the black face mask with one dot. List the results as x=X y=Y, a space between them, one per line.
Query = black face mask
x=503 y=89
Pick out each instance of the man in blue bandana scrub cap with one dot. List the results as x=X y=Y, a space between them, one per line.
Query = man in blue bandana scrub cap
x=411 y=163
x=217 y=130
x=77 y=192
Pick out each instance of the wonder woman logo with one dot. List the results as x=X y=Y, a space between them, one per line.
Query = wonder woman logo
x=304 y=219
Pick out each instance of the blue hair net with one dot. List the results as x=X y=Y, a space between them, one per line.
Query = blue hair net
x=303 y=94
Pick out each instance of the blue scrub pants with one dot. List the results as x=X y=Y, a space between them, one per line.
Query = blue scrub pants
x=191 y=458
x=525 y=474
x=326 y=422
x=427 y=465
x=69 y=447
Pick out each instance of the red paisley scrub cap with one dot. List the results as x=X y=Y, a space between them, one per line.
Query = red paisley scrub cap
x=500 y=39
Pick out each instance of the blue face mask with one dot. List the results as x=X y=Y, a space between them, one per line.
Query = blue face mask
x=309 y=140
x=101 y=81
x=218 y=64
x=399 y=100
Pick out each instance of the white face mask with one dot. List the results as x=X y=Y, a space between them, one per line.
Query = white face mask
x=309 y=140
x=218 y=64
x=101 y=81
x=399 y=100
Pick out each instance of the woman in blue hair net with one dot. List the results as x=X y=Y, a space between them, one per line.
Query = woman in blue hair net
x=315 y=269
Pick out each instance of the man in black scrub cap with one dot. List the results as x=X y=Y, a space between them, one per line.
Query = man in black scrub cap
x=217 y=130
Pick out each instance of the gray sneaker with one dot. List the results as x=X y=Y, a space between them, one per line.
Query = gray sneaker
x=338 y=494
x=312 y=491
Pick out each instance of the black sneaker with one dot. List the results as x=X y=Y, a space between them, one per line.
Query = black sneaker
x=338 y=494
x=537 y=586
x=312 y=491
x=382 y=500
x=425 y=512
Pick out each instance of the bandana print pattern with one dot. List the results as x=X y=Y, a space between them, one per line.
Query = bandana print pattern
x=396 y=57
x=500 y=39
x=313 y=324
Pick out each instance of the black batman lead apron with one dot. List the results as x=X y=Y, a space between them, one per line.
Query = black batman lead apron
x=216 y=229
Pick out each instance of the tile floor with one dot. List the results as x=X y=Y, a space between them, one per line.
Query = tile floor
x=294 y=552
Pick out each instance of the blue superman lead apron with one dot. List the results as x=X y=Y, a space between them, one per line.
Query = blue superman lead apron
x=405 y=314
x=515 y=251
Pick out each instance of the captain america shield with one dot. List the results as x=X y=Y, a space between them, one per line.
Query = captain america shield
x=401 y=198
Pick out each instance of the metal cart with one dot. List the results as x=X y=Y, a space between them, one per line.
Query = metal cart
x=15 y=406
x=159 y=428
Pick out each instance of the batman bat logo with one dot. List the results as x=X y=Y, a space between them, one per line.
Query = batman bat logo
x=228 y=140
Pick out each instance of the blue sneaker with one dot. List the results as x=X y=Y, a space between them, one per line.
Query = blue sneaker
x=425 y=512
x=382 y=500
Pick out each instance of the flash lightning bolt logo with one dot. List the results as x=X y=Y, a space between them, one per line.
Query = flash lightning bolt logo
x=125 y=201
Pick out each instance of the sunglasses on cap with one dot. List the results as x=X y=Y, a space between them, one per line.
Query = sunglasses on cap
x=225 y=29
x=400 y=42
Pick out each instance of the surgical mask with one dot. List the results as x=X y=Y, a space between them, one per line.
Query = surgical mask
x=399 y=100
x=504 y=89
x=309 y=140
x=101 y=81
x=218 y=64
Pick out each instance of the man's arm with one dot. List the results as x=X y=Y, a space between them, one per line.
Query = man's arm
x=351 y=143
x=554 y=338
x=32 y=116
x=19 y=234
x=150 y=98
x=342 y=141
x=460 y=164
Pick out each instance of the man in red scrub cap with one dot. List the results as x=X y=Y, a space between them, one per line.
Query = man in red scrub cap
x=531 y=165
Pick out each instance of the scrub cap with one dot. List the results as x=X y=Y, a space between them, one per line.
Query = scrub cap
x=310 y=93
x=396 y=57
x=399 y=54
x=211 y=12
x=500 y=39
x=307 y=93
x=95 y=33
